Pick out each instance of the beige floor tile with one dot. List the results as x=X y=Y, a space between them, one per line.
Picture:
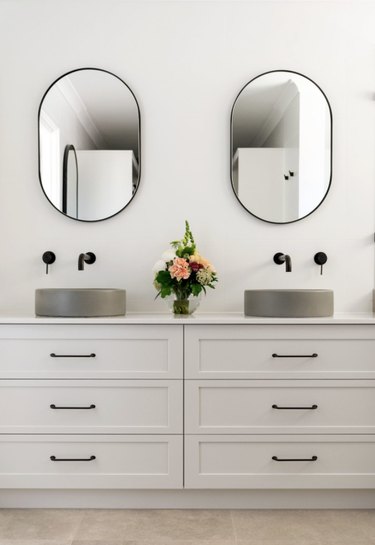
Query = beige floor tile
x=279 y=542
x=156 y=525
x=326 y=527
x=180 y=542
x=300 y=542
x=344 y=527
x=34 y=542
x=367 y=520
x=4 y=519
x=99 y=542
x=152 y=542
x=59 y=525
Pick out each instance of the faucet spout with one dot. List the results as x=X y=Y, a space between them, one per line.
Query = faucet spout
x=281 y=258
x=288 y=263
x=88 y=258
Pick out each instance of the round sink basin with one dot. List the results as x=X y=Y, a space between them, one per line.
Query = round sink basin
x=304 y=303
x=80 y=302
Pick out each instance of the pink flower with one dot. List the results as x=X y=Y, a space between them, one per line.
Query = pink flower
x=180 y=269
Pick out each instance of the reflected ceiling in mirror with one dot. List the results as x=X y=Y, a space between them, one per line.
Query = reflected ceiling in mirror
x=281 y=146
x=89 y=144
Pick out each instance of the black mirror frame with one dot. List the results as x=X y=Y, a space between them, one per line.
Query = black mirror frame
x=139 y=143
x=231 y=147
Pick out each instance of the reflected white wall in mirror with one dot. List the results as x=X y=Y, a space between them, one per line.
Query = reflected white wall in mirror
x=281 y=146
x=90 y=117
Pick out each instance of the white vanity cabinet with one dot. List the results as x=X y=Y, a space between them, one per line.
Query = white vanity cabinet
x=195 y=403
x=91 y=406
x=280 y=406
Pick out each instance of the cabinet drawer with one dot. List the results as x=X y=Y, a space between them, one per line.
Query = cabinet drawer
x=254 y=351
x=279 y=406
x=120 y=461
x=94 y=351
x=342 y=461
x=122 y=406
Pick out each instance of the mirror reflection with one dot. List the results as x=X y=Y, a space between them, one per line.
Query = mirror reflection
x=89 y=144
x=281 y=140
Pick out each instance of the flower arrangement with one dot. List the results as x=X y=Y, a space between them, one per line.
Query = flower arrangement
x=182 y=271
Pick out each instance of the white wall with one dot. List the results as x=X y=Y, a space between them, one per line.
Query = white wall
x=186 y=62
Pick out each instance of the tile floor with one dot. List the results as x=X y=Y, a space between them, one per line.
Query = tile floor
x=186 y=527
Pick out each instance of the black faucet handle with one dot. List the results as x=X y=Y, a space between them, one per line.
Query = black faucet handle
x=279 y=258
x=90 y=259
x=48 y=258
x=321 y=259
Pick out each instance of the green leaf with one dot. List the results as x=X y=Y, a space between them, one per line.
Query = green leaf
x=164 y=278
x=188 y=250
x=165 y=291
x=196 y=289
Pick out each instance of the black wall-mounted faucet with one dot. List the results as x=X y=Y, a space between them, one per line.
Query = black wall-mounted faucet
x=88 y=258
x=281 y=258
x=320 y=259
x=48 y=258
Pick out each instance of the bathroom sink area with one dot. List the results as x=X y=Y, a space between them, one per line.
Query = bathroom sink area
x=80 y=302
x=289 y=303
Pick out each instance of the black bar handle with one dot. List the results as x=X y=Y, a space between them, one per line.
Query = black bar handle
x=312 y=407
x=53 y=406
x=54 y=459
x=53 y=355
x=314 y=355
x=312 y=459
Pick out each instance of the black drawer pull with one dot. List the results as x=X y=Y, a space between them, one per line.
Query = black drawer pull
x=53 y=355
x=312 y=407
x=295 y=355
x=54 y=459
x=53 y=406
x=312 y=459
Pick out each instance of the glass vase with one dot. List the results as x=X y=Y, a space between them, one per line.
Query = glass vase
x=183 y=306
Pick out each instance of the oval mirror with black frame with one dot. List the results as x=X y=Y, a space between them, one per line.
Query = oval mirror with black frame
x=89 y=144
x=281 y=146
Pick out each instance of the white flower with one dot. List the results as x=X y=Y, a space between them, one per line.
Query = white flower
x=204 y=277
x=168 y=255
x=159 y=266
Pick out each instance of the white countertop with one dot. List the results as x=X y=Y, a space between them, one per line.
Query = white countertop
x=235 y=318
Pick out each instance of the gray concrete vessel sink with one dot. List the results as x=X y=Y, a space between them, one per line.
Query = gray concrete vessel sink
x=80 y=302
x=289 y=303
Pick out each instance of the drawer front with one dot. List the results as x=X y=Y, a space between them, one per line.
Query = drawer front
x=280 y=351
x=122 y=406
x=95 y=351
x=277 y=406
x=119 y=461
x=340 y=461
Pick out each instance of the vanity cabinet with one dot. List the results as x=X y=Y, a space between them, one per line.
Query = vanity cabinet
x=280 y=406
x=173 y=404
x=91 y=406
